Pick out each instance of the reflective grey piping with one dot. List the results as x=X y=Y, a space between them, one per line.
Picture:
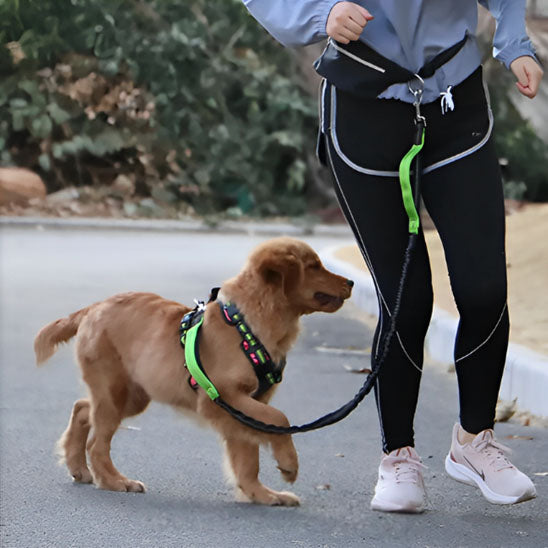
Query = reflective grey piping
x=466 y=152
x=323 y=91
x=379 y=414
x=380 y=297
x=337 y=146
x=488 y=337
x=380 y=173
x=355 y=57
x=407 y=355
x=361 y=243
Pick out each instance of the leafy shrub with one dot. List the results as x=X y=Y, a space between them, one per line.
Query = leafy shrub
x=524 y=155
x=192 y=97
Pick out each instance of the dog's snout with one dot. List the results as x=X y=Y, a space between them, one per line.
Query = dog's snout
x=350 y=283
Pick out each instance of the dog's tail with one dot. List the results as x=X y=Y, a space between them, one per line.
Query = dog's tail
x=45 y=343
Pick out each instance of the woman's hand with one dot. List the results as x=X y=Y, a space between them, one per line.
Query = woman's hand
x=529 y=74
x=347 y=21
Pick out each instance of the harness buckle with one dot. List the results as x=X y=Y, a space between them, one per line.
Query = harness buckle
x=200 y=305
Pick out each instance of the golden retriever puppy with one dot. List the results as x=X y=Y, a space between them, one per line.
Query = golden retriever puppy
x=130 y=353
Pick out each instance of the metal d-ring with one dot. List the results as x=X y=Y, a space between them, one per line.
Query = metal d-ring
x=417 y=93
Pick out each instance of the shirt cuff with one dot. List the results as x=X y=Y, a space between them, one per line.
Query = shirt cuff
x=320 y=20
x=511 y=52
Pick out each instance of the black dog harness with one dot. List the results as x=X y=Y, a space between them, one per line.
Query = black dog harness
x=268 y=373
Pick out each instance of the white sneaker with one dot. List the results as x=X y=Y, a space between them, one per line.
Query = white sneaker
x=400 y=487
x=483 y=463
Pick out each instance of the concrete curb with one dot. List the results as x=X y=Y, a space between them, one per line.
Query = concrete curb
x=168 y=225
x=526 y=373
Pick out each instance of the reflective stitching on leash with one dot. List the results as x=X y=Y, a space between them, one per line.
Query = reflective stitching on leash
x=488 y=337
x=381 y=301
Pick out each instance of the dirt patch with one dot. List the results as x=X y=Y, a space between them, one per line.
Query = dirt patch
x=527 y=256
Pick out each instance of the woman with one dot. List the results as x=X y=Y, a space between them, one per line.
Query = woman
x=387 y=63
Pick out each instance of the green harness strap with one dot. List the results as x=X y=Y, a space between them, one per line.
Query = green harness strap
x=407 y=192
x=194 y=369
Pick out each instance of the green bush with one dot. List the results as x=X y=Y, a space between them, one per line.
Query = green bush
x=523 y=154
x=190 y=96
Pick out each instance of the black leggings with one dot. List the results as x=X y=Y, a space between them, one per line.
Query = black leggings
x=465 y=201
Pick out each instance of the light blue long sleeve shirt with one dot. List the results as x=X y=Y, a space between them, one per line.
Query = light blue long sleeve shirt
x=408 y=32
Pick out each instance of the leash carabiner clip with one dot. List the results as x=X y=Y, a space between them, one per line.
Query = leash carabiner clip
x=417 y=93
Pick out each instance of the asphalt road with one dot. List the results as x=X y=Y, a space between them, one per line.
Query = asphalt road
x=46 y=274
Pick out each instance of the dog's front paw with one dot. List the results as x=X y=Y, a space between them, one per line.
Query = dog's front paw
x=284 y=498
x=122 y=484
x=83 y=475
x=286 y=457
x=134 y=486
x=259 y=494
x=289 y=475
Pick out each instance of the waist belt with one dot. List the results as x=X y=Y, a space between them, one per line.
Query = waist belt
x=357 y=68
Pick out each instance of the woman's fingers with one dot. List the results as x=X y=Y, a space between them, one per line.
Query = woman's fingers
x=529 y=75
x=346 y=22
x=354 y=27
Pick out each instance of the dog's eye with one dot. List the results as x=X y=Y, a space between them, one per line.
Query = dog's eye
x=315 y=265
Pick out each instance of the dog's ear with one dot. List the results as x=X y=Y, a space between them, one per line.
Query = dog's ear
x=280 y=269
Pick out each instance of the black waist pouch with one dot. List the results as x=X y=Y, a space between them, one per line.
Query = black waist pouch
x=357 y=68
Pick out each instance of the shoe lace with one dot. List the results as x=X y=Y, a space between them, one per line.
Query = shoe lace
x=406 y=468
x=495 y=451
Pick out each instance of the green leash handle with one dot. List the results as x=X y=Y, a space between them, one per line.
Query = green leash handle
x=405 y=179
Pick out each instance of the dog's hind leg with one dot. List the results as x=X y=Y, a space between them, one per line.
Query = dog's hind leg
x=113 y=396
x=105 y=418
x=72 y=444
x=243 y=457
x=136 y=402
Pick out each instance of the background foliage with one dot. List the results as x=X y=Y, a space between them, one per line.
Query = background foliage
x=190 y=99
x=524 y=155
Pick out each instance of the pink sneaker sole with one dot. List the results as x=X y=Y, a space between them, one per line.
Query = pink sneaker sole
x=382 y=506
x=465 y=475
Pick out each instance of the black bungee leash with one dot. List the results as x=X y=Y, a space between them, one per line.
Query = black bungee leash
x=411 y=200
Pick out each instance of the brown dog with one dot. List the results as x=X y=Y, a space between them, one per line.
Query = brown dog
x=129 y=350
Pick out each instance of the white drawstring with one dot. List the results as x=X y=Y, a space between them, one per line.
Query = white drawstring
x=447 y=102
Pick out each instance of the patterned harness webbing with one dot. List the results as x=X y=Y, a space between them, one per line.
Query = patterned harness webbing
x=268 y=373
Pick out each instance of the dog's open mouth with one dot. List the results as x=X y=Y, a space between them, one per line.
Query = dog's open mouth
x=324 y=299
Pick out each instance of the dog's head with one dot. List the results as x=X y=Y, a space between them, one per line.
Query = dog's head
x=294 y=271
